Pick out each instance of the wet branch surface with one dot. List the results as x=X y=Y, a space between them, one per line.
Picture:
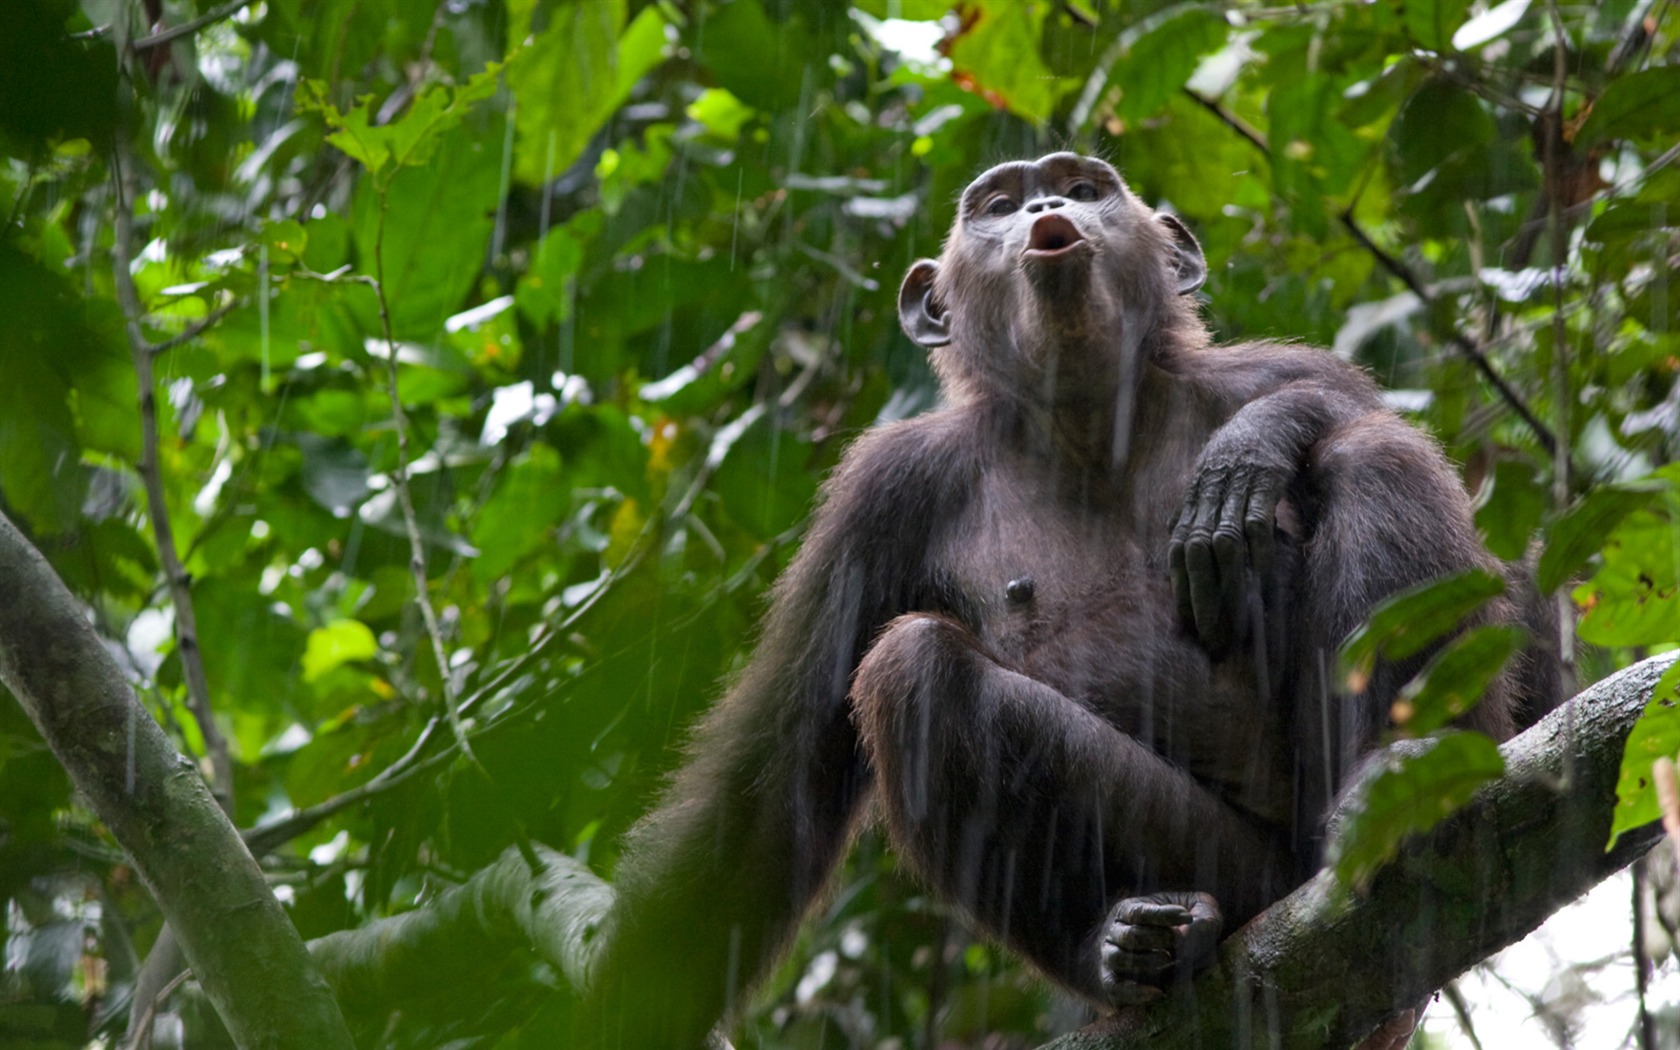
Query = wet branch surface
x=1322 y=969
x=237 y=937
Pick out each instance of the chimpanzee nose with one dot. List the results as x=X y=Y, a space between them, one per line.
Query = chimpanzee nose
x=1038 y=204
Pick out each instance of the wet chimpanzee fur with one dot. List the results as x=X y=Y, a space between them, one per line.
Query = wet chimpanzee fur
x=1074 y=633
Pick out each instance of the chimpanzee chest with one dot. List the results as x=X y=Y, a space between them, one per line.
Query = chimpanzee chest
x=1080 y=598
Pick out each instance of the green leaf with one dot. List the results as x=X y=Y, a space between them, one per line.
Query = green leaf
x=762 y=62
x=43 y=346
x=1641 y=105
x=438 y=222
x=530 y=498
x=1441 y=120
x=762 y=479
x=1656 y=735
x=700 y=384
x=999 y=50
x=1408 y=622
x=339 y=642
x=412 y=138
x=1581 y=531
x=1513 y=509
x=1456 y=678
x=1411 y=793
x=285 y=241
x=909 y=10
x=1432 y=22
x=1159 y=63
x=568 y=80
x=543 y=294
x=720 y=113
x=1634 y=597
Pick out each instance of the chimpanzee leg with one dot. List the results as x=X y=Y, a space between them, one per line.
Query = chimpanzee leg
x=1385 y=513
x=1034 y=814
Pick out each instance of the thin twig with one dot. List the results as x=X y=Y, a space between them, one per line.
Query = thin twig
x=151 y=474
x=399 y=477
x=1553 y=147
x=174 y=33
x=267 y=837
x=197 y=328
x=143 y=1031
x=1467 y=346
x=1231 y=120
x=1461 y=1010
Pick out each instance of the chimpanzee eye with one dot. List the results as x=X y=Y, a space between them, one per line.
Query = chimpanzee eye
x=1082 y=191
x=1000 y=205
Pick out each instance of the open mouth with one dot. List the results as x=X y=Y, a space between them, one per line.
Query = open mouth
x=1052 y=236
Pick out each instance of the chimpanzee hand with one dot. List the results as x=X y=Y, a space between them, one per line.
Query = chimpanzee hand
x=1224 y=529
x=1152 y=940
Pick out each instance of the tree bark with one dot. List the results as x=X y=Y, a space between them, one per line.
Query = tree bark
x=1323 y=967
x=239 y=941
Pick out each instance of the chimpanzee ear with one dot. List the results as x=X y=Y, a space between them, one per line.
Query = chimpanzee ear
x=920 y=313
x=1187 y=261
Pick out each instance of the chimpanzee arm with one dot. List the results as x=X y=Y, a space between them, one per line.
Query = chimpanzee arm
x=1225 y=526
x=713 y=883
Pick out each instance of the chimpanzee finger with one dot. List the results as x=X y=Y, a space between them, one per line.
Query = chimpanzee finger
x=1205 y=593
x=1123 y=966
x=1147 y=911
x=1143 y=940
x=1181 y=582
x=1231 y=551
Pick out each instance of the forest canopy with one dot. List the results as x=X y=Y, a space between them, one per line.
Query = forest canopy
x=418 y=399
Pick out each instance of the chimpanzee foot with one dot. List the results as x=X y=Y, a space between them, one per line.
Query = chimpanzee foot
x=1151 y=941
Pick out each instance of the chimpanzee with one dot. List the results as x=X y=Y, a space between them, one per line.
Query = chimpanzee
x=1074 y=632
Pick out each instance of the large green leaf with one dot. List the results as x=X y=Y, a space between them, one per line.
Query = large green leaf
x=1642 y=105
x=1656 y=735
x=1579 y=534
x=437 y=224
x=998 y=49
x=574 y=70
x=1408 y=622
x=1432 y=22
x=1159 y=62
x=1634 y=597
x=530 y=498
x=1456 y=678
x=1412 y=791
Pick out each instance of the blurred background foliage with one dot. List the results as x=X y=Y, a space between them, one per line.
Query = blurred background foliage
x=631 y=266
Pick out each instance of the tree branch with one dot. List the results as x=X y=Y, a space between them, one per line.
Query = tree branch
x=1322 y=969
x=1466 y=346
x=174 y=33
x=198 y=327
x=151 y=474
x=238 y=939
